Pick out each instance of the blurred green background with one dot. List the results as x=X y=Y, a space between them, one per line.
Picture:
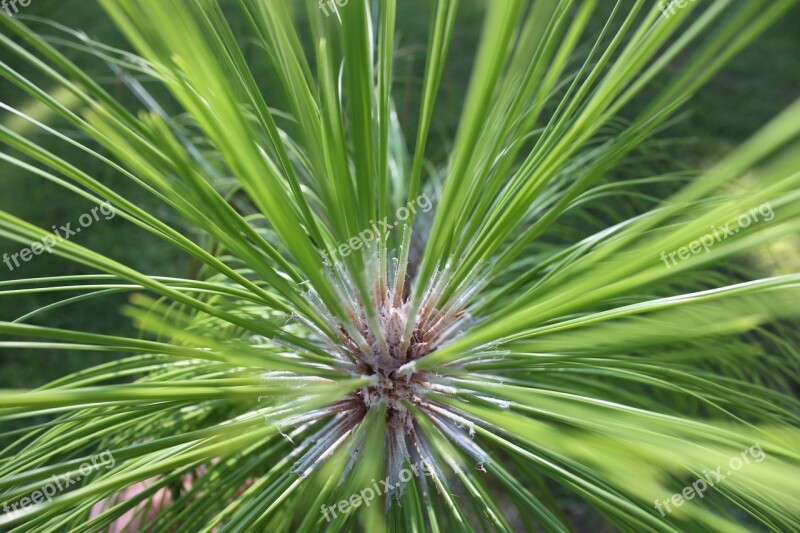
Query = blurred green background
x=753 y=88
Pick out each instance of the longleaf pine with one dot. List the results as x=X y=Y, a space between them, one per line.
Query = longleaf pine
x=542 y=323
